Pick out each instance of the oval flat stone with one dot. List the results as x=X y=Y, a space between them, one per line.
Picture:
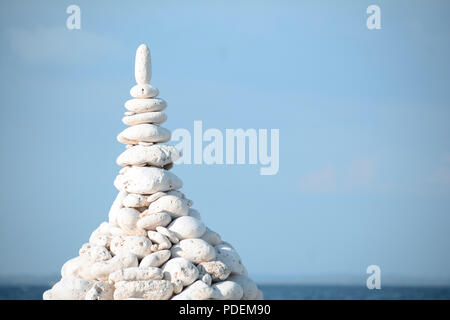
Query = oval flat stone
x=143 y=91
x=195 y=250
x=147 y=180
x=187 y=227
x=145 y=105
x=156 y=155
x=146 y=117
x=144 y=132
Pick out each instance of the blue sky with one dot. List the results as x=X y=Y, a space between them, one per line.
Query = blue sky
x=363 y=117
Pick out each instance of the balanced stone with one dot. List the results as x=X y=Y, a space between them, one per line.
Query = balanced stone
x=146 y=117
x=143 y=91
x=155 y=259
x=187 y=227
x=195 y=250
x=144 y=132
x=147 y=180
x=136 y=274
x=173 y=205
x=150 y=290
x=180 y=269
x=145 y=105
x=154 y=245
x=143 y=65
x=156 y=155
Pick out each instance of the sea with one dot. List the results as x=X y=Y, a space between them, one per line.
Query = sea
x=284 y=292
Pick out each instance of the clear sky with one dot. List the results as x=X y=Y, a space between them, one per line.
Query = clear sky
x=363 y=115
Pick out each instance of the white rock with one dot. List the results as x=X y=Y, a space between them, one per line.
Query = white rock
x=156 y=155
x=176 y=193
x=144 y=132
x=127 y=219
x=153 y=197
x=150 y=290
x=150 y=221
x=180 y=269
x=196 y=291
x=143 y=91
x=100 y=239
x=231 y=258
x=157 y=117
x=217 y=269
x=187 y=227
x=227 y=290
x=147 y=180
x=100 y=291
x=145 y=105
x=195 y=250
x=173 y=205
x=136 y=274
x=194 y=213
x=162 y=243
x=115 y=207
x=101 y=270
x=143 y=65
x=69 y=289
x=94 y=253
x=101 y=236
x=250 y=290
x=169 y=234
x=133 y=200
x=155 y=259
x=138 y=245
x=213 y=238
x=78 y=267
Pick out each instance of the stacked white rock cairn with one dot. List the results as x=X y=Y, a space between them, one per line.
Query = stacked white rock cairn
x=154 y=245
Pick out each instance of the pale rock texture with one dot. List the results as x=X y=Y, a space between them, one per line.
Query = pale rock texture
x=145 y=105
x=145 y=132
x=155 y=155
x=101 y=270
x=69 y=289
x=250 y=290
x=94 y=253
x=100 y=291
x=231 y=258
x=173 y=205
x=180 y=269
x=143 y=91
x=138 y=245
x=136 y=274
x=149 y=289
x=187 y=227
x=155 y=259
x=217 y=269
x=143 y=65
x=195 y=250
x=213 y=238
x=151 y=221
x=147 y=180
x=154 y=245
x=227 y=290
x=156 y=117
x=160 y=240
x=196 y=291
x=78 y=267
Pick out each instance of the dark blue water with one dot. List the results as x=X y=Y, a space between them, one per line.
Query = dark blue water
x=284 y=292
